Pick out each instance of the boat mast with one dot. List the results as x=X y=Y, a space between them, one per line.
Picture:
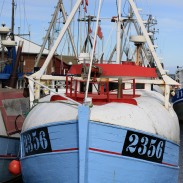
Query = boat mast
x=12 y=28
x=69 y=30
x=57 y=42
x=91 y=59
x=12 y=21
x=80 y=8
x=47 y=35
x=118 y=33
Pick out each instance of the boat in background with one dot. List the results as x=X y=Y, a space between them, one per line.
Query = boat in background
x=177 y=99
x=104 y=128
x=13 y=104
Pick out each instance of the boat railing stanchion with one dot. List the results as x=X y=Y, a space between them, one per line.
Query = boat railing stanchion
x=66 y=84
x=76 y=83
x=122 y=89
x=71 y=87
x=133 y=87
x=39 y=84
x=107 y=90
x=119 y=87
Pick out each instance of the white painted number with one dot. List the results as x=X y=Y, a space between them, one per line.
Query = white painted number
x=134 y=139
x=30 y=147
x=150 y=151
x=43 y=141
x=159 y=149
x=25 y=144
x=144 y=142
x=152 y=148
x=37 y=141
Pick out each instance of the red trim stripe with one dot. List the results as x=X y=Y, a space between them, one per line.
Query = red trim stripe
x=61 y=150
x=169 y=164
x=98 y=150
x=8 y=156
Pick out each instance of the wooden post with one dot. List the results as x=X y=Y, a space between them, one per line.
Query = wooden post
x=119 y=87
x=37 y=88
x=167 y=93
x=137 y=62
x=31 y=92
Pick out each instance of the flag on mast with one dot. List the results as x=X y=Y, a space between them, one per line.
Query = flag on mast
x=86 y=2
x=85 y=9
x=100 y=34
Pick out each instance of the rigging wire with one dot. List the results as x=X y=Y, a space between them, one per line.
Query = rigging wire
x=117 y=7
x=20 y=13
x=25 y=20
x=2 y=8
x=25 y=17
x=78 y=29
x=124 y=8
x=108 y=40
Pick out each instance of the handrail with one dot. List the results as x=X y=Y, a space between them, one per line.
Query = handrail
x=53 y=91
x=95 y=82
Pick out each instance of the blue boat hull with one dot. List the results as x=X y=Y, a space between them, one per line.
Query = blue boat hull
x=95 y=153
x=9 y=148
x=178 y=104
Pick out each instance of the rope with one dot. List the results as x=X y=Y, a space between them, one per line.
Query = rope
x=16 y=127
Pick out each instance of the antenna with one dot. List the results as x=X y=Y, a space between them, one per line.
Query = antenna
x=30 y=32
x=18 y=29
x=43 y=30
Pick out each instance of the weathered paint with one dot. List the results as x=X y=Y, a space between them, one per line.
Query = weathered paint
x=10 y=105
x=105 y=163
x=2 y=125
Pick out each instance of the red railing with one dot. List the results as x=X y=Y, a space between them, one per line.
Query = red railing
x=100 y=88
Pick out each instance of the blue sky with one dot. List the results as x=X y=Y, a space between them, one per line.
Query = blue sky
x=169 y=16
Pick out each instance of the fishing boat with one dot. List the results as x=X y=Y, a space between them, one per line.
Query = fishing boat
x=13 y=104
x=103 y=129
x=177 y=99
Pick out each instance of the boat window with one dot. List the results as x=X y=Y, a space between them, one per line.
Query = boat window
x=83 y=87
x=139 y=86
x=114 y=86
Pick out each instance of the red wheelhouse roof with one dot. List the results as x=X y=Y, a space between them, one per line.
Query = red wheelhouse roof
x=119 y=70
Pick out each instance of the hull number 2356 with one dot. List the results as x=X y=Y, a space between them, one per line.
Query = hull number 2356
x=143 y=146
x=36 y=141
